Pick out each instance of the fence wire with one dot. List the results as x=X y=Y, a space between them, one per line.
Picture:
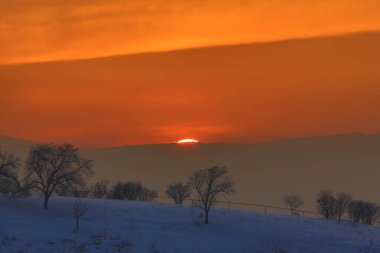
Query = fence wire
x=247 y=206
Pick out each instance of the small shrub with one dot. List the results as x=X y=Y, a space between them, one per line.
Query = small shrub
x=147 y=194
x=131 y=191
x=293 y=202
x=178 y=192
x=79 y=209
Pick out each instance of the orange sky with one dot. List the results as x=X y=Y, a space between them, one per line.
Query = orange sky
x=250 y=93
x=41 y=30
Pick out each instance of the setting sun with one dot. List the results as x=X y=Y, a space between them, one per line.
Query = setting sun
x=187 y=141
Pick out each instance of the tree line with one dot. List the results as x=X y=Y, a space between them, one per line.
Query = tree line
x=334 y=207
x=61 y=170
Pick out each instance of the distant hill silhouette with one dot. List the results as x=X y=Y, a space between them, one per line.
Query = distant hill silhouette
x=262 y=172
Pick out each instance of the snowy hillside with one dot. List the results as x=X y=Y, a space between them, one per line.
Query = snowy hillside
x=126 y=226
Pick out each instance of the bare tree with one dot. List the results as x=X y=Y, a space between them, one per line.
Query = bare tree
x=178 y=192
x=362 y=211
x=9 y=183
x=79 y=209
x=293 y=201
x=376 y=219
x=341 y=204
x=147 y=194
x=131 y=191
x=370 y=212
x=355 y=210
x=326 y=204
x=99 y=189
x=116 y=191
x=126 y=190
x=49 y=166
x=209 y=183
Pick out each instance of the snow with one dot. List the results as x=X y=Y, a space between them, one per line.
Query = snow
x=132 y=226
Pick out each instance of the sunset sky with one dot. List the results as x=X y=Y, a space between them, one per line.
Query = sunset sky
x=42 y=30
x=55 y=87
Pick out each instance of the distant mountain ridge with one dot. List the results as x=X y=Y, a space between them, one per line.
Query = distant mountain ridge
x=262 y=172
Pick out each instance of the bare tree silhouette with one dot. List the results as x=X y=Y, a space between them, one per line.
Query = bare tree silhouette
x=49 y=166
x=293 y=201
x=178 y=192
x=210 y=183
x=363 y=211
x=326 y=204
x=100 y=189
x=9 y=183
x=131 y=190
x=341 y=204
x=79 y=209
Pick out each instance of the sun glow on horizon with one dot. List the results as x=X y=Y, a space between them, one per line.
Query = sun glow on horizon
x=187 y=141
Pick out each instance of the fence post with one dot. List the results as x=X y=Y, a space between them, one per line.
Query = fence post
x=265 y=208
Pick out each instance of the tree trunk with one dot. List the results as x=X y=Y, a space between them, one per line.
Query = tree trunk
x=206 y=218
x=77 y=228
x=46 y=201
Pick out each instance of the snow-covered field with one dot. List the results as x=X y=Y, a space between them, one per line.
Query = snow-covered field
x=127 y=226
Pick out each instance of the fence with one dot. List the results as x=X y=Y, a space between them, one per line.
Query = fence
x=244 y=206
x=248 y=206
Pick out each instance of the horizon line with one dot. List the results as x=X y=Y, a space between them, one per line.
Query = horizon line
x=198 y=143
